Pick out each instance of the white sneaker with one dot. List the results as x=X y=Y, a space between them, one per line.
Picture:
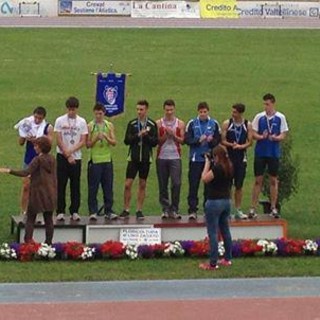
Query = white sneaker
x=93 y=217
x=75 y=217
x=252 y=214
x=274 y=213
x=240 y=215
x=192 y=216
x=60 y=217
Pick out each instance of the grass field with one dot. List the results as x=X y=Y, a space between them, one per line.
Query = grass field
x=181 y=268
x=44 y=67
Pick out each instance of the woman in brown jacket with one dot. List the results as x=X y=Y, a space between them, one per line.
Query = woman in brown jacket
x=43 y=188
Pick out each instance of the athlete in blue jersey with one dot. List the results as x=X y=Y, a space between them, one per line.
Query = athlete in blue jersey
x=202 y=135
x=269 y=129
x=29 y=129
x=236 y=135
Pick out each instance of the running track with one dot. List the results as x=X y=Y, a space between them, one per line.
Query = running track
x=250 y=299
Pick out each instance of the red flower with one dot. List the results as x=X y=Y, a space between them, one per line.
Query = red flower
x=73 y=249
x=294 y=247
x=200 y=248
x=28 y=250
x=250 y=247
x=112 y=249
x=158 y=249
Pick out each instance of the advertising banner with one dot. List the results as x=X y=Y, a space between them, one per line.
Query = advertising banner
x=247 y=9
x=96 y=7
x=218 y=9
x=300 y=9
x=10 y=8
x=165 y=9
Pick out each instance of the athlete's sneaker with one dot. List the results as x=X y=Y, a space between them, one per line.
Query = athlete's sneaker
x=208 y=266
x=240 y=215
x=93 y=217
x=192 y=216
x=139 y=215
x=252 y=214
x=75 y=217
x=275 y=213
x=111 y=215
x=165 y=215
x=60 y=217
x=224 y=263
x=124 y=215
x=175 y=215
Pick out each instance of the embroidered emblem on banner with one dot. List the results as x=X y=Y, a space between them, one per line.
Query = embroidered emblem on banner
x=110 y=94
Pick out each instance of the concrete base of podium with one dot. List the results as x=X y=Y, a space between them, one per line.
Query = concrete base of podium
x=264 y=227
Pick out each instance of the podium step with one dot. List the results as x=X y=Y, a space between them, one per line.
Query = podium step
x=264 y=227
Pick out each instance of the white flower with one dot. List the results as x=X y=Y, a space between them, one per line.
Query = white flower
x=267 y=246
x=46 y=251
x=310 y=246
x=6 y=252
x=173 y=249
x=132 y=252
x=221 y=249
x=88 y=253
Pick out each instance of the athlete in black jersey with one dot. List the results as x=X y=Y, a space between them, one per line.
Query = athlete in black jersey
x=237 y=137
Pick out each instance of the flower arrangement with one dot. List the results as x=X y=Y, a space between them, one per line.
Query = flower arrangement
x=7 y=253
x=112 y=250
x=173 y=249
x=250 y=247
x=132 y=252
x=310 y=247
x=88 y=253
x=117 y=250
x=73 y=250
x=288 y=247
x=46 y=252
x=268 y=247
x=200 y=248
x=28 y=251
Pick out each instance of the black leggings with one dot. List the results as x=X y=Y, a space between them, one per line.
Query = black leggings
x=48 y=222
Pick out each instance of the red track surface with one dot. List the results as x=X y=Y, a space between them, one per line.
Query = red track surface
x=248 y=309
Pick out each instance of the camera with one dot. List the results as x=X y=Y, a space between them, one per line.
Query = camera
x=207 y=155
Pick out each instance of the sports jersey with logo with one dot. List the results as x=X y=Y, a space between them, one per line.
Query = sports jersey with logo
x=273 y=125
x=238 y=133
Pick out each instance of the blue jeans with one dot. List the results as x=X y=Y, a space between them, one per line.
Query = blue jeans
x=217 y=218
x=100 y=173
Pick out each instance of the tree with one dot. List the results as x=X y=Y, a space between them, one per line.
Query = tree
x=288 y=176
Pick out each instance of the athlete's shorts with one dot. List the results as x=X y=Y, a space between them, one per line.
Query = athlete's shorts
x=260 y=165
x=134 y=167
x=239 y=174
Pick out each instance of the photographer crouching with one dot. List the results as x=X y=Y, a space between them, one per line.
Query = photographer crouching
x=217 y=176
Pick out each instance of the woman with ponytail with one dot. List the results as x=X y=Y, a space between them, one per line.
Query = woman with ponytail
x=217 y=176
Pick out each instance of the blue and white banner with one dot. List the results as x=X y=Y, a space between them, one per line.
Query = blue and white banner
x=95 y=7
x=111 y=92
